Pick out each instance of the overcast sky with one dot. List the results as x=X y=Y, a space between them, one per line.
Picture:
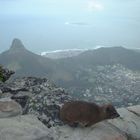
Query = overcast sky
x=45 y=25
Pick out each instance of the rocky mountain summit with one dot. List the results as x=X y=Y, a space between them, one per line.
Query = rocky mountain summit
x=28 y=101
x=16 y=44
x=28 y=127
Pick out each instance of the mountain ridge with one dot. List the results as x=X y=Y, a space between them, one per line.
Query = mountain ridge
x=92 y=75
x=23 y=61
x=107 y=56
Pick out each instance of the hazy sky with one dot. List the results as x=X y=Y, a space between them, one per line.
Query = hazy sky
x=45 y=25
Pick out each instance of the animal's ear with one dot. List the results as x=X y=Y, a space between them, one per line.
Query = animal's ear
x=108 y=108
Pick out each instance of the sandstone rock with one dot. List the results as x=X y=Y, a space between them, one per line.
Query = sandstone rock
x=135 y=110
x=129 y=122
x=9 y=108
x=25 y=127
x=100 y=131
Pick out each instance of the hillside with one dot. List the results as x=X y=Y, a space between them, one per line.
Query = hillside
x=102 y=75
x=24 y=62
x=105 y=56
x=105 y=74
x=89 y=60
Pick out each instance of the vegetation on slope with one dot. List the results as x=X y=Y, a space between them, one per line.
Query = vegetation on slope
x=5 y=73
x=1 y=74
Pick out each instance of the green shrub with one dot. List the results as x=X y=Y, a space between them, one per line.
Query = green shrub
x=5 y=74
x=1 y=75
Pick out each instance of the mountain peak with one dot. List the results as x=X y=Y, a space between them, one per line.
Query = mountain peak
x=17 y=44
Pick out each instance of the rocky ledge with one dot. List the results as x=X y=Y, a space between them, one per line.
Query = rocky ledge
x=29 y=110
x=28 y=127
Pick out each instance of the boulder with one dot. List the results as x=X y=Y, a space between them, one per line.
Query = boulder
x=25 y=127
x=9 y=108
x=129 y=122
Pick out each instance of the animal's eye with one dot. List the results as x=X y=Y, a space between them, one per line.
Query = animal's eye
x=108 y=109
x=115 y=113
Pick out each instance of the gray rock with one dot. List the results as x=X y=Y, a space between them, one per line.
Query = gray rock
x=100 y=131
x=6 y=95
x=129 y=122
x=9 y=108
x=37 y=96
x=26 y=127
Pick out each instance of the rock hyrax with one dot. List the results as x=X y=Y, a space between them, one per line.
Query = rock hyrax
x=85 y=113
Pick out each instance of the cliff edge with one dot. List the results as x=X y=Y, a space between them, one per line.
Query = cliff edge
x=28 y=127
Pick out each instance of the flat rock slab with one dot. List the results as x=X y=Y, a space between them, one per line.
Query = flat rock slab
x=129 y=122
x=100 y=131
x=26 y=127
x=9 y=108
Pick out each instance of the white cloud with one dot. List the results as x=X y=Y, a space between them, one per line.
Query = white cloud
x=95 y=5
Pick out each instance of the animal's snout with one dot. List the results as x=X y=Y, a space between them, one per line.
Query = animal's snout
x=117 y=115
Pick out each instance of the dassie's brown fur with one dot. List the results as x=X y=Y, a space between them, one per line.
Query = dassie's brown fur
x=86 y=113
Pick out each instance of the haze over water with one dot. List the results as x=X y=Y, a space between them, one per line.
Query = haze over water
x=45 y=25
